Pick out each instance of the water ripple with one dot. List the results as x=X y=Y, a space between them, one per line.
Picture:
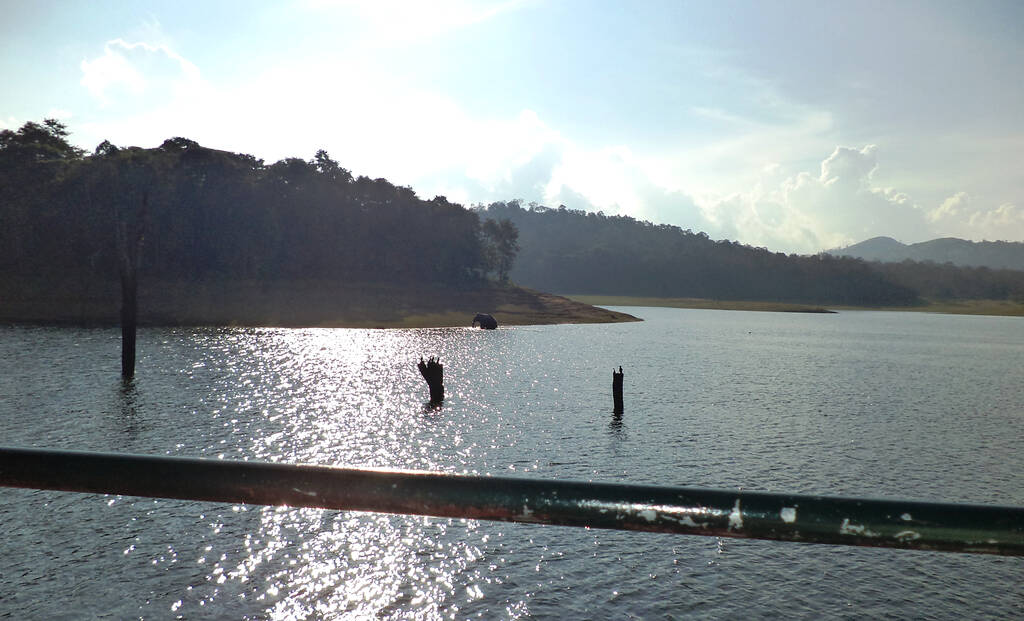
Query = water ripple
x=858 y=403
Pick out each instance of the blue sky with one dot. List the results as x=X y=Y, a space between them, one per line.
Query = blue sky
x=797 y=126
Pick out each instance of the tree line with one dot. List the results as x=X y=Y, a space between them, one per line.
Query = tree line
x=203 y=213
x=946 y=281
x=573 y=251
x=192 y=213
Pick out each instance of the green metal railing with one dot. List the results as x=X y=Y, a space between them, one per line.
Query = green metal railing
x=783 y=517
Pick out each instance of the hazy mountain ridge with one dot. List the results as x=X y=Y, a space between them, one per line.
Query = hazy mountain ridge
x=962 y=252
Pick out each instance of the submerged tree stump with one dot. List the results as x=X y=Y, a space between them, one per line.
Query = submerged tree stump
x=433 y=372
x=129 y=319
x=129 y=235
x=617 y=390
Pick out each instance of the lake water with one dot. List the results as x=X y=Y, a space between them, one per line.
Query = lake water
x=918 y=406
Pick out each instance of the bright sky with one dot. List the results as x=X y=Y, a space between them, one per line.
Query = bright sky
x=793 y=125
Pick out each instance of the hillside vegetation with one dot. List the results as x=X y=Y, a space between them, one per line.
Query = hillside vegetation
x=205 y=213
x=222 y=238
x=583 y=253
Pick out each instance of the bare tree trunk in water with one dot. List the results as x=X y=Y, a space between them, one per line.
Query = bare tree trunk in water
x=129 y=314
x=617 y=390
x=129 y=243
x=433 y=373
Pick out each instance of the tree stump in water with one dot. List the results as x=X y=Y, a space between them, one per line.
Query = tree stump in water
x=129 y=316
x=433 y=372
x=617 y=390
x=129 y=236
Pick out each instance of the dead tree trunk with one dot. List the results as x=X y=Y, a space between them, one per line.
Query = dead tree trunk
x=129 y=244
x=129 y=315
x=617 y=390
x=433 y=372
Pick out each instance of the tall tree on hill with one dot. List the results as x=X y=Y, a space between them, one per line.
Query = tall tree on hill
x=125 y=181
x=503 y=245
x=330 y=169
x=33 y=160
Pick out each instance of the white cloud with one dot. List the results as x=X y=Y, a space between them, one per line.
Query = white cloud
x=513 y=154
x=807 y=213
x=961 y=215
x=952 y=207
x=1005 y=222
x=617 y=181
x=376 y=125
x=842 y=205
x=848 y=167
x=134 y=70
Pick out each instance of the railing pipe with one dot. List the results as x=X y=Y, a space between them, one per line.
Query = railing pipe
x=722 y=513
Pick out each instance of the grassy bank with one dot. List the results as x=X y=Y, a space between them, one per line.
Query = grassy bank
x=293 y=304
x=958 y=307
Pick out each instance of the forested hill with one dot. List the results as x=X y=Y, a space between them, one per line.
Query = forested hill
x=570 y=251
x=208 y=214
x=190 y=214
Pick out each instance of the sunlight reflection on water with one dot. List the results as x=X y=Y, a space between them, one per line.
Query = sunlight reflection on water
x=852 y=403
x=349 y=399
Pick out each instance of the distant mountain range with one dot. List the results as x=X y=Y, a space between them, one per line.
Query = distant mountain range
x=995 y=255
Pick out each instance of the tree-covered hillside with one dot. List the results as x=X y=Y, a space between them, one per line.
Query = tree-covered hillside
x=572 y=251
x=197 y=214
x=203 y=213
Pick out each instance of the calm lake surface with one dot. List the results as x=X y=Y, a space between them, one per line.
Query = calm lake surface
x=918 y=406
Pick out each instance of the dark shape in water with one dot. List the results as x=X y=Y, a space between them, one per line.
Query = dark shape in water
x=617 y=390
x=433 y=372
x=129 y=244
x=486 y=321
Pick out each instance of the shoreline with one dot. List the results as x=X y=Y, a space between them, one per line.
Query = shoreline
x=293 y=304
x=1000 y=308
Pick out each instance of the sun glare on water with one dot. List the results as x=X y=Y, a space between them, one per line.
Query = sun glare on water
x=353 y=398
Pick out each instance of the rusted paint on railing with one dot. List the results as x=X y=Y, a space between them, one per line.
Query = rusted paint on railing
x=784 y=517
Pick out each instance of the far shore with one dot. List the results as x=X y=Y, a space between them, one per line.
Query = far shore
x=294 y=304
x=957 y=307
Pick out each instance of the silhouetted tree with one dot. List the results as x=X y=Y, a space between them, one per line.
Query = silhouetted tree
x=503 y=245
